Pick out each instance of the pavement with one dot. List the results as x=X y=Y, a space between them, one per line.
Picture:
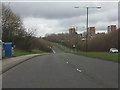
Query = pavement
x=9 y=63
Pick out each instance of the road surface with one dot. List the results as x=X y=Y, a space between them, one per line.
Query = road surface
x=62 y=70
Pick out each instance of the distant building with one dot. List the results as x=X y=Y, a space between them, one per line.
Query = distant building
x=91 y=31
x=111 y=28
x=103 y=33
x=108 y=29
x=80 y=35
x=72 y=31
x=84 y=34
x=100 y=33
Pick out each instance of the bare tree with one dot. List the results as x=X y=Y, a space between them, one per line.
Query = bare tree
x=11 y=24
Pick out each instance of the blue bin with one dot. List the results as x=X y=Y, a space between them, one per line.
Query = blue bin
x=7 y=49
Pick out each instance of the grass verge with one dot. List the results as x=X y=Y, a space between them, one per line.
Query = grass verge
x=99 y=55
x=18 y=52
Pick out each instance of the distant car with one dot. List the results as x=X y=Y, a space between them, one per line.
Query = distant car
x=113 y=50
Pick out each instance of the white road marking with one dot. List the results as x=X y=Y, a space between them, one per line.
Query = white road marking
x=53 y=51
x=79 y=70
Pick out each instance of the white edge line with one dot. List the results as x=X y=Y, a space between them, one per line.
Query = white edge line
x=58 y=1
x=79 y=70
x=53 y=51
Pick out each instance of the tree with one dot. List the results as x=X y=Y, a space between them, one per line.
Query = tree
x=11 y=24
x=13 y=31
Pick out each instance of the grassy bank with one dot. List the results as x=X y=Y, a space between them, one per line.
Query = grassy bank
x=18 y=52
x=100 y=55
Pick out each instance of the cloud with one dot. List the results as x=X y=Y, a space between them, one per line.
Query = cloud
x=32 y=0
x=51 y=10
x=43 y=26
x=54 y=17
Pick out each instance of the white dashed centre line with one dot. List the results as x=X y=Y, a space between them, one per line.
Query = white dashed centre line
x=79 y=70
x=67 y=62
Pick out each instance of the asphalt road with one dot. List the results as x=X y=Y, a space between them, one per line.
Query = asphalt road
x=62 y=70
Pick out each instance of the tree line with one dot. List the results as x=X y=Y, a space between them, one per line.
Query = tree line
x=100 y=42
x=14 y=31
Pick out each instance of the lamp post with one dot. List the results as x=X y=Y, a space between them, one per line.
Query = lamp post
x=87 y=8
x=77 y=38
x=1 y=22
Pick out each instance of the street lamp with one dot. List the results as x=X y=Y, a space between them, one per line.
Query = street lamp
x=87 y=23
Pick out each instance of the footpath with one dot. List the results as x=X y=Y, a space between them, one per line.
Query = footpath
x=8 y=63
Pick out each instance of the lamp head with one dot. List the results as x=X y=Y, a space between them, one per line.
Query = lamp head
x=98 y=7
x=76 y=7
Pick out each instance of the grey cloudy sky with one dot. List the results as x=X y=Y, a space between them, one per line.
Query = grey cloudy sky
x=57 y=17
